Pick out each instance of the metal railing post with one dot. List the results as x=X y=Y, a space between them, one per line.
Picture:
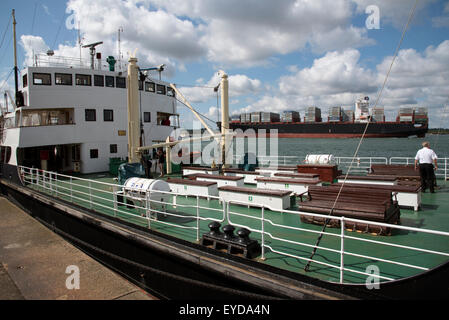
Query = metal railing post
x=56 y=184
x=263 y=234
x=197 y=218
x=114 y=194
x=445 y=168
x=90 y=195
x=71 y=189
x=147 y=207
x=342 y=249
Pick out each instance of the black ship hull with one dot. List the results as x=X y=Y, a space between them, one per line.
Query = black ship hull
x=336 y=129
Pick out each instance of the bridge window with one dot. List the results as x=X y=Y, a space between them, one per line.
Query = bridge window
x=98 y=80
x=120 y=82
x=63 y=79
x=42 y=79
x=160 y=89
x=110 y=82
x=149 y=86
x=170 y=92
x=83 y=80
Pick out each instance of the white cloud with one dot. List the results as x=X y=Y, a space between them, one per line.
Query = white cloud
x=334 y=73
x=32 y=45
x=239 y=85
x=249 y=33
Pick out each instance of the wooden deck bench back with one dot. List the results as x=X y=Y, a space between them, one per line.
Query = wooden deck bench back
x=368 y=204
x=297 y=175
x=411 y=188
x=254 y=191
x=217 y=177
x=190 y=182
x=395 y=170
x=288 y=180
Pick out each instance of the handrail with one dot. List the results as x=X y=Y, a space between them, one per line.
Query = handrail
x=65 y=186
x=341 y=235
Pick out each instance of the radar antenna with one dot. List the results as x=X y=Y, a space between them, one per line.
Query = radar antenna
x=92 y=52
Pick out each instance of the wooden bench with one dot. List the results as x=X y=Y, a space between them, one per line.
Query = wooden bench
x=270 y=171
x=275 y=199
x=205 y=170
x=375 y=205
x=406 y=195
x=248 y=176
x=297 y=186
x=326 y=172
x=375 y=179
x=220 y=180
x=295 y=175
x=189 y=187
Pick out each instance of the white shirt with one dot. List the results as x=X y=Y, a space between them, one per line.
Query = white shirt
x=425 y=155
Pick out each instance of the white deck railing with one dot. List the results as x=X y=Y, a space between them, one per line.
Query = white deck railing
x=359 y=164
x=96 y=195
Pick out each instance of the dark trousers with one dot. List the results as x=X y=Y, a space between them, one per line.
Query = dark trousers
x=427 y=176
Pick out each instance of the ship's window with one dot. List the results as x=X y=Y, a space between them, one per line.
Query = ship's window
x=112 y=148
x=110 y=81
x=91 y=115
x=98 y=80
x=43 y=79
x=170 y=92
x=120 y=82
x=147 y=117
x=108 y=115
x=149 y=86
x=83 y=80
x=160 y=89
x=93 y=153
x=63 y=79
x=25 y=80
x=140 y=85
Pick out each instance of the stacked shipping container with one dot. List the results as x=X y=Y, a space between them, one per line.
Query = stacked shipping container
x=313 y=114
x=290 y=116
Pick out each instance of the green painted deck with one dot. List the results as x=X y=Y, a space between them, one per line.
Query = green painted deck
x=433 y=215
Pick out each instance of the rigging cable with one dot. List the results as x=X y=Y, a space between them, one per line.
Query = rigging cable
x=4 y=33
x=306 y=268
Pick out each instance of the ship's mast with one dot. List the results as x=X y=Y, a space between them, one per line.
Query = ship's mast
x=16 y=73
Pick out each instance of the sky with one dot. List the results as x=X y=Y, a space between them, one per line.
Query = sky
x=279 y=55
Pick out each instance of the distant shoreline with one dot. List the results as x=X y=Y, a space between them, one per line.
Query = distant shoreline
x=438 y=131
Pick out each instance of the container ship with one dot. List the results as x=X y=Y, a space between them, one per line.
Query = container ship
x=341 y=123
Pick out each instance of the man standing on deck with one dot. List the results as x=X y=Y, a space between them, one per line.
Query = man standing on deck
x=425 y=157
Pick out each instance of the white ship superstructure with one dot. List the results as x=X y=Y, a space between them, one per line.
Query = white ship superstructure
x=74 y=118
x=361 y=113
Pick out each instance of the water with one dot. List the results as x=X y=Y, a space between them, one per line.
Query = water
x=370 y=147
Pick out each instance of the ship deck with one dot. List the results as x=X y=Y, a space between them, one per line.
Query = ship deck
x=288 y=242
